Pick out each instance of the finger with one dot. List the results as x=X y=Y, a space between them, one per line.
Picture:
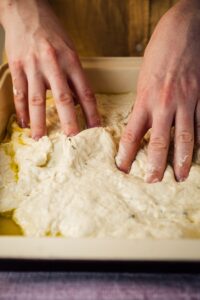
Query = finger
x=20 y=92
x=131 y=138
x=158 y=147
x=73 y=92
x=86 y=96
x=184 y=143
x=37 y=102
x=197 y=124
x=63 y=97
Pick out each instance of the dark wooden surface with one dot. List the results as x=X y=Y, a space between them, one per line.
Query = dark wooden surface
x=110 y=27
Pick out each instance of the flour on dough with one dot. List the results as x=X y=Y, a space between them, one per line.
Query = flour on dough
x=71 y=186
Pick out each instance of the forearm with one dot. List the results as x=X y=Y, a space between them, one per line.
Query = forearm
x=25 y=10
x=188 y=5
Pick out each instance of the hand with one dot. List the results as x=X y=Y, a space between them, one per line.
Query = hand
x=42 y=57
x=167 y=93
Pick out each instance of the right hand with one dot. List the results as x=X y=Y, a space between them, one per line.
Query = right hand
x=167 y=94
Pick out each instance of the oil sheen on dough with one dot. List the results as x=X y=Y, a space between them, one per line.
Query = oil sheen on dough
x=71 y=186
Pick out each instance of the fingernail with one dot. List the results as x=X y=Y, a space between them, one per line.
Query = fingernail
x=181 y=176
x=118 y=160
x=151 y=179
x=21 y=122
x=36 y=137
x=121 y=160
x=119 y=163
x=152 y=173
x=71 y=130
x=97 y=123
x=94 y=125
x=71 y=134
x=181 y=179
x=121 y=155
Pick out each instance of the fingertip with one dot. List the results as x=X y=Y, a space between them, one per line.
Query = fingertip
x=182 y=168
x=181 y=179
x=70 y=130
x=151 y=179
x=118 y=161
x=22 y=122
x=153 y=174
x=181 y=175
x=94 y=122
x=38 y=133
x=121 y=163
x=38 y=136
x=121 y=166
x=71 y=134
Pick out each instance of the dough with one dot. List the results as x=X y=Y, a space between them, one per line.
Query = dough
x=71 y=186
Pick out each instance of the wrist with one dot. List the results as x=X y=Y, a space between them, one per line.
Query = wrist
x=189 y=5
x=184 y=12
x=19 y=9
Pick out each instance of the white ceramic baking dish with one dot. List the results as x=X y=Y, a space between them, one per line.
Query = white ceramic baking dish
x=107 y=75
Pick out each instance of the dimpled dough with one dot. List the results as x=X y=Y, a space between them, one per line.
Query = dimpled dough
x=71 y=186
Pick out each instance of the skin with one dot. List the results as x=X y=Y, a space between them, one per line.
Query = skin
x=41 y=56
x=168 y=94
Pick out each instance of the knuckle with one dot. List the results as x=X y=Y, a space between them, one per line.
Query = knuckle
x=189 y=84
x=185 y=137
x=142 y=92
x=15 y=64
x=31 y=59
x=158 y=143
x=37 y=100
x=129 y=137
x=65 y=99
x=19 y=97
x=72 y=56
x=167 y=95
x=51 y=52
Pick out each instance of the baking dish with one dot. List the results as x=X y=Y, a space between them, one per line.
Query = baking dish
x=107 y=75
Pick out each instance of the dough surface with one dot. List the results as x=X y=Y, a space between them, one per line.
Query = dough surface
x=71 y=186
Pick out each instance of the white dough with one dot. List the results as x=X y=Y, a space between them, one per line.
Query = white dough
x=72 y=187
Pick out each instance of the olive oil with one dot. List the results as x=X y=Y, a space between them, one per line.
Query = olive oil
x=8 y=226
